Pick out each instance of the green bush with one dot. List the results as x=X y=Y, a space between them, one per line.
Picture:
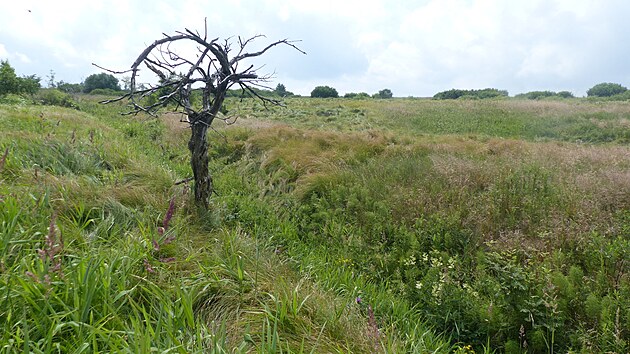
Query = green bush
x=624 y=96
x=360 y=95
x=565 y=94
x=457 y=93
x=324 y=92
x=606 y=89
x=54 y=97
x=535 y=95
x=13 y=99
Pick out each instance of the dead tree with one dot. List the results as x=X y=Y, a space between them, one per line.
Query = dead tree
x=212 y=70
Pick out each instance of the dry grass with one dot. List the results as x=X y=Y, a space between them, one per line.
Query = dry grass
x=314 y=151
x=586 y=183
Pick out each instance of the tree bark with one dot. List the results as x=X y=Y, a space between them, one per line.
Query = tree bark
x=198 y=146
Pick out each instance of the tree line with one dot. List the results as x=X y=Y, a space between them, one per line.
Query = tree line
x=606 y=90
x=108 y=84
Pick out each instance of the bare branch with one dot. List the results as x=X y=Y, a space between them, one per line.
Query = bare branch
x=212 y=73
x=112 y=71
x=249 y=55
x=263 y=99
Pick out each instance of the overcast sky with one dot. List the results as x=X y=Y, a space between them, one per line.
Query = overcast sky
x=413 y=47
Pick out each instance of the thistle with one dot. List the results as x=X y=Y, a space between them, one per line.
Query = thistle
x=161 y=230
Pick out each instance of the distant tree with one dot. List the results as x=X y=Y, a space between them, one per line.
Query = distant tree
x=29 y=84
x=565 y=94
x=102 y=81
x=324 y=92
x=8 y=80
x=281 y=91
x=51 y=79
x=11 y=83
x=385 y=93
x=126 y=80
x=606 y=89
x=211 y=71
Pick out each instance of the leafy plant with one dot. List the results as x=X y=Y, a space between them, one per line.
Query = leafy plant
x=54 y=97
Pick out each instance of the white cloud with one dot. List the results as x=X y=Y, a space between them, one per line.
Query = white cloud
x=23 y=58
x=3 y=52
x=415 y=47
x=5 y=55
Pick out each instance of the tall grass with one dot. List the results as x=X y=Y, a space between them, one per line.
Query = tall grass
x=100 y=251
x=484 y=236
x=338 y=226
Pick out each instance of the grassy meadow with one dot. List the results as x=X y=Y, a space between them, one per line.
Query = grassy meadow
x=338 y=226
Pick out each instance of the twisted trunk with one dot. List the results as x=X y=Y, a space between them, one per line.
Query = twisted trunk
x=198 y=146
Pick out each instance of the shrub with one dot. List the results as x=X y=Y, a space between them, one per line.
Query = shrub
x=13 y=99
x=565 y=94
x=606 y=89
x=360 y=95
x=457 y=93
x=324 y=92
x=489 y=93
x=536 y=95
x=53 y=97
